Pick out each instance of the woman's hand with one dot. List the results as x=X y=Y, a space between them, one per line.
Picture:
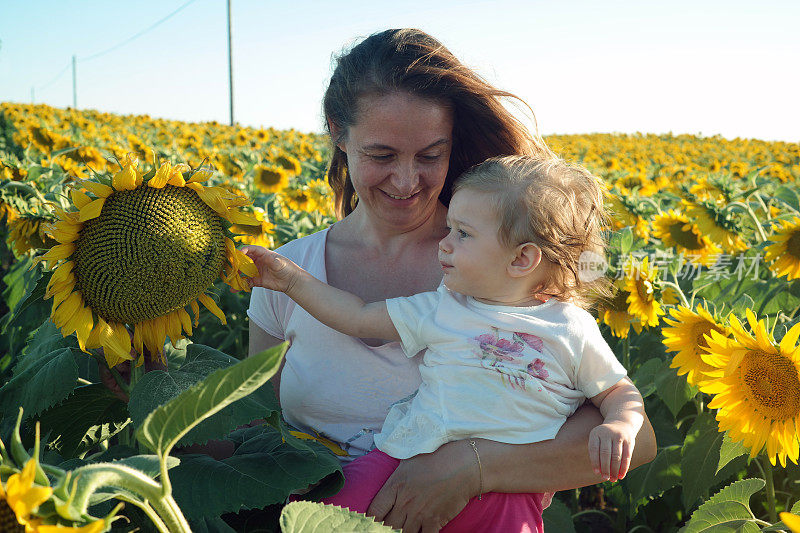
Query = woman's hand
x=428 y=490
x=275 y=272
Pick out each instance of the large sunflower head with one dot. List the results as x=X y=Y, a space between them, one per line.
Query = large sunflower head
x=614 y=313
x=784 y=254
x=758 y=393
x=686 y=334
x=717 y=223
x=138 y=251
x=640 y=282
x=675 y=230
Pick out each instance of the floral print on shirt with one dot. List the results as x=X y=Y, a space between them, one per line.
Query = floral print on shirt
x=514 y=359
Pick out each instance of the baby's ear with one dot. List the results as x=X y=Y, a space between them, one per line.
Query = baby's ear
x=527 y=257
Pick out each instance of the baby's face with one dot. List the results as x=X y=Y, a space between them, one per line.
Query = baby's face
x=474 y=261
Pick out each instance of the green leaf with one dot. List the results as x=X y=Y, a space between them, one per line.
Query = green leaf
x=727 y=510
x=700 y=458
x=657 y=476
x=644 y=377
x=311 y=517
x=211 y=525
x=254 y=477
x=788 y=195
x=147 y=464
x=729 y=451
x=43 y=382
x=558 y=517
x=673 y=389
x=158 y=387
x=165 y=426
x=92 y=414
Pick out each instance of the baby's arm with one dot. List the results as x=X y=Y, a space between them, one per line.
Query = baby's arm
x=337 y=309
x=611 y=443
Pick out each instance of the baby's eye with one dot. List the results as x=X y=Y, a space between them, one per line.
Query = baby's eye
x=462 y=233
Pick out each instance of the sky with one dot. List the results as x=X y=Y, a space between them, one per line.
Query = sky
x=707 y=67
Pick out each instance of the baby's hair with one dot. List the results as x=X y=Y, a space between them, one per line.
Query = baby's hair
x=555 y=205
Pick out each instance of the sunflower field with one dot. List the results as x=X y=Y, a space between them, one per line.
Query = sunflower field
x=127 y=402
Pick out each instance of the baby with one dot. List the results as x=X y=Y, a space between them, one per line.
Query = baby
x=511 y=351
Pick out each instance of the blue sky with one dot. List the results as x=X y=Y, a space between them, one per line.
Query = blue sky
x=708 y=67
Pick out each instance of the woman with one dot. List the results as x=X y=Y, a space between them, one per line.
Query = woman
x=405 y=118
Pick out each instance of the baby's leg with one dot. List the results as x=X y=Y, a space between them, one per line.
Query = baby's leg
x=363 y=478
x=500 y=512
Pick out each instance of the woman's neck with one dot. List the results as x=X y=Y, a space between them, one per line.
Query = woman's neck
x=392 y=239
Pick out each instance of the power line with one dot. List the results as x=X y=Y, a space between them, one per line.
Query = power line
x=129 y=39
x=106 y=51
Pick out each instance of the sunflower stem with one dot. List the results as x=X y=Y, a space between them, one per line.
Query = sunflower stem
x=749 y=210
x=684 y=301
x=767 y=469
x=626 y=352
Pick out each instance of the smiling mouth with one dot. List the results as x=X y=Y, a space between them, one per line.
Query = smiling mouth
x=445 y=265
x=396 y=197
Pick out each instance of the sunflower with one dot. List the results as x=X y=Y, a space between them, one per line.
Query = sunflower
x=625 y=212
x=675 y=230
x=28 y=232
x=300 y=199
x=686 y=335
x=139 y=252
x=642 y=302
x=259 y=234
x=614 y=313
x=270 y=178
x=19 y=497
x=718 y=224
x=784 y=255
x=792 y=521
x=758 y=393
x=289 y=163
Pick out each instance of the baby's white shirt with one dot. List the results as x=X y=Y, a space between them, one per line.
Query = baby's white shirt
x=509 y=374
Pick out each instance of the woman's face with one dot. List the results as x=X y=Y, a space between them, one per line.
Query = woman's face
x=398 y=154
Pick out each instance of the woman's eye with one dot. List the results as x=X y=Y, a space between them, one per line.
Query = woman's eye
x=429 y=158
x=381 y=157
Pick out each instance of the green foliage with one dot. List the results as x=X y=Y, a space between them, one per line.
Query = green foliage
x=727 y=510
x=158 y=387
x=558 y=517
x=263 y=470
x=168 y=423
x=310 y=517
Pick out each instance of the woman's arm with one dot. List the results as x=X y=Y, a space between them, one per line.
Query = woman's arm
x=427 y=491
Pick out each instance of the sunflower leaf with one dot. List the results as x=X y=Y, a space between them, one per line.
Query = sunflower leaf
x=727 y=510
x=254 y=477
x=159 y=387
x=312 y=517
x=558 y=517
x=699 y=458
x=40 y=383
x=729 y=451
x=656 y=477
x=673 y=389
x=168 y=423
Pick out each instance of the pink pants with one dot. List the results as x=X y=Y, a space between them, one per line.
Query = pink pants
x=494 y=513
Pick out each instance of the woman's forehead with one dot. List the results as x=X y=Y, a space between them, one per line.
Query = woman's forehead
x=399 y=119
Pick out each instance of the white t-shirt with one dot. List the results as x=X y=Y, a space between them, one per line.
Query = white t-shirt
x=509 y=374
x=331 y=383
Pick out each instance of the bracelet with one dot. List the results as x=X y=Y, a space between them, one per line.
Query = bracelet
x=480 y=468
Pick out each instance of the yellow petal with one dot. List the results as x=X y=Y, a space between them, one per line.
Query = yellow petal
x=201 y=175
x=79 y=198
x=792 y=521
x=245 y=219
x=116 y=343
x=67 y=310
x=173 y=327
x=137 y=338
x=196 y=310
x=125 y=179
x=186 y=321
x=162 y=176
x=92 y=209
x=85 y=327
x=789 y=340
x=98 y=189
x=212 y=306
x=57 y=252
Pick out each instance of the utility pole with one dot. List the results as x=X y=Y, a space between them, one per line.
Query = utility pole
x=74 y=85
x=230 y=62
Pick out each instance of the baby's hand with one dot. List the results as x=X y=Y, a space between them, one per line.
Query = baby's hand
x=275 y=272
x=610 y=449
